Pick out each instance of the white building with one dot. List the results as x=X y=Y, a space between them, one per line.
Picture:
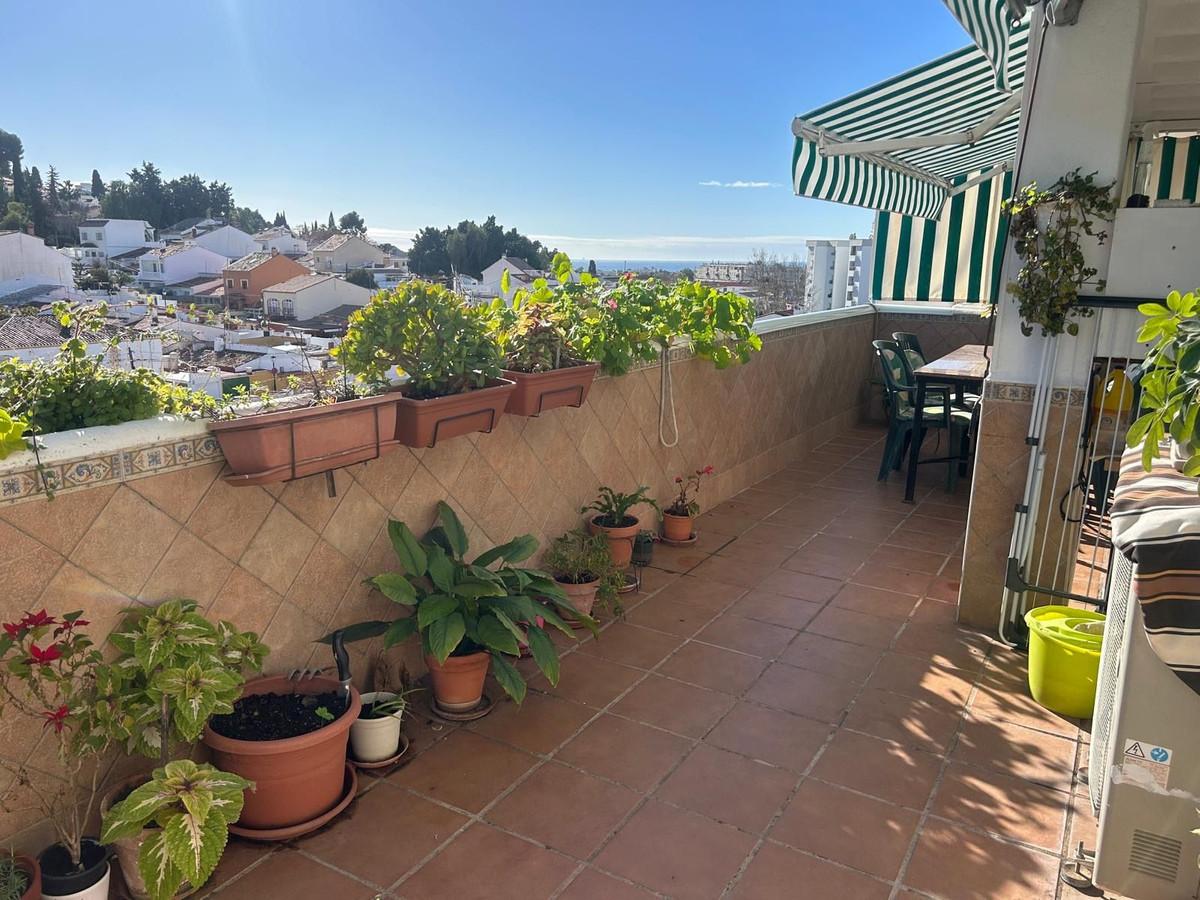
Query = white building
x=230 y=242
x=39 y=337
x=177 y=263
x=723 y=271
x=343 y=252
x=839 y=273
x=306 y=296
x=112 y=237
x=388 y=277
x=27 y=264
x=281 y=240
x=520 y=275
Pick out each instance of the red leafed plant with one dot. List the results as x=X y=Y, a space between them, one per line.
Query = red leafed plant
x=48 y=674
x=688 y=486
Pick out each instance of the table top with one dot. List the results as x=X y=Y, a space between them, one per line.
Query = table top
x=968 y=363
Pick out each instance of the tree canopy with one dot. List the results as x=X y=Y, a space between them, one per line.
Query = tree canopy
x=362 y=278
x=469 y=248
x=353 y=223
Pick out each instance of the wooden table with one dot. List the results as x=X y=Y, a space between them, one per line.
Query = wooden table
x=965 y=368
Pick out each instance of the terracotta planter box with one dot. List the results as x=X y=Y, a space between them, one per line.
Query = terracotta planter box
x=296 y=779
x=540 y=391
x=294 y=443
x=422 y=423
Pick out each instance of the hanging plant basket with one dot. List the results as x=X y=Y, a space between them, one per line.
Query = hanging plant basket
x=537 y=392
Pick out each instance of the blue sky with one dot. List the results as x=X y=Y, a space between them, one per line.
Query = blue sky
x=611 y=129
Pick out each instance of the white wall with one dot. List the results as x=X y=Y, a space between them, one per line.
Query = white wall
x=26 y=261
x=230 y=242
x=181 y=266
x=315 y=300
x=117 y=236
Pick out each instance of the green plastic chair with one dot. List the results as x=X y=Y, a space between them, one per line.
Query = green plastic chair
x=911 y=345
x=899 y=395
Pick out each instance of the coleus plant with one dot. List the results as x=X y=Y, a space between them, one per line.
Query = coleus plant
x=459 y=608
x=188 y=808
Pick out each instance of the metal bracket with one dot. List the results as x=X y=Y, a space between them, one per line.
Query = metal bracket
x=1014 y=580
x=1033 y=441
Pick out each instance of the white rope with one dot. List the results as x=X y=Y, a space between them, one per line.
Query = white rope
x=666 y=400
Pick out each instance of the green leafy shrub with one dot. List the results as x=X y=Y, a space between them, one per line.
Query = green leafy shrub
x=429 y=333
x=580 y=558
x=11 y=431
x=461 y=607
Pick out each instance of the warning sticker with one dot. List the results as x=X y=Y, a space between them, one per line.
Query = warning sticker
x=1143 y=758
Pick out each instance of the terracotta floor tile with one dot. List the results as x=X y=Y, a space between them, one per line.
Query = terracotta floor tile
x=731 y=524
x=848 y=828
x=728 y=788
x=855 y=627
x=728 y=570
x=714 y=668
x=480 y=865
x=945 y=588
x=588 y=679
x=1008 y=703
x=956 y=647
x=806 y=693
x=564 y=809
x=851 y=662
x=903 y=579
x=879 y=768
x=800 y=585
x=632 y=646
x=852 y=549
x=925 y=724
x=464 y=770
x=776 y=609
x=921 y=678
x=538 y=725
x=592 y=885
x=938 y=510
x=625 y=751
x=678 y=559
x=806 y=514
x=771 y=735
x=875 y=601
x=747 y=635
x=935 y=613
x=1017 y=751
x=1083 y=824
x=1007 y=806
x=239 y=855
x=754 y=551
x=815 y=562
x=676 y=853
x=778 y=873
x=908 y=558
x=858 y=527
x=653 y=581
x=779 y=535
x=671 y=616
x=923 y=541
x=954 y=862
x=363 y=840
x=713 y=595
x=674 y=706
x=288 y=874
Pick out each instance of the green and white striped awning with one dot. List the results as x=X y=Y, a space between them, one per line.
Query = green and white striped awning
x=939 y=121
x=1174 y=168
x=953 y=259
x=991 y=24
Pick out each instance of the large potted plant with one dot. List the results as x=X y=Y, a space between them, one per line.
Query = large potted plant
x=614 y=520
x=48 y=674
x=446 y=353
x=677 y=518
x=1170 y=382
x=536 y=334
x=173 y=670
x=582 y=564
x=470 y=615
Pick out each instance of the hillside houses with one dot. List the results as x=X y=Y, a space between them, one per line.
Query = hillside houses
x=246 y=278
x=178 y=263
x=308 y=296
x=342 y=252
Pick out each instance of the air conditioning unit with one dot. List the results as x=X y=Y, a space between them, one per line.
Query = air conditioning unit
x=1144 y=764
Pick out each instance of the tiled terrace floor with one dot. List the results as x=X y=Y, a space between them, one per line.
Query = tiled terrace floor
x=787 y=711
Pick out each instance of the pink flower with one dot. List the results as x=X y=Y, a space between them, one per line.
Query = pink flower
x=33 y=620
x=38 y=656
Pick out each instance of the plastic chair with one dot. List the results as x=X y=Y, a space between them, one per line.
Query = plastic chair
x=900 y=393
x=911 y=345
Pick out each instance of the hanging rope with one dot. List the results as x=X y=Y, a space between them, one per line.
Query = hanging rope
x=666 y=401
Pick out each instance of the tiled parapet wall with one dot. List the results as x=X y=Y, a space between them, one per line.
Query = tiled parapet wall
x=151 y=522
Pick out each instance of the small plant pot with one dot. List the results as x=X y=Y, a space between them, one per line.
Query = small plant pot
x=620 y=539
x=294 y=443
x=537 y=392
x=128 y=849
x=422 y=423
x=374 y=740
x=1180 y=454
x=582 y=596
x=458 y=682
x=33 y=872
x=677 y=528
x=296 y=779
x=61 y=882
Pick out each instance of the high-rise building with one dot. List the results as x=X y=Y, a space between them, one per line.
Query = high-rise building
x=839 y=273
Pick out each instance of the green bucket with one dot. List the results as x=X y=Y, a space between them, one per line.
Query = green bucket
x=1064 y=658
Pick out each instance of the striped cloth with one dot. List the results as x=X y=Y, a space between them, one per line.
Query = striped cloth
x=1156 y=524
x=989 y=24
x=1174 y=167
x=955 y=258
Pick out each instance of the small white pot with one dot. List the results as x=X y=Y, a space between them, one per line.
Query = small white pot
x=98 y=891
x=374 y=740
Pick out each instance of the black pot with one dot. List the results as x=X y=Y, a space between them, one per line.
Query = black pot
x=60 y=877
x=643 y=550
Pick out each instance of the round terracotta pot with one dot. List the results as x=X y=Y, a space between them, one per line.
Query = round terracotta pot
x=29 y=866
x=620 y=540
x=582 y=596
x=295 y=779
x=128 y=849
x=677 y=528
x=458 y=682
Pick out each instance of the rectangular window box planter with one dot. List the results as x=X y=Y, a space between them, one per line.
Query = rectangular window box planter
x=295 y=443
x=537 y=392
x=423 y=423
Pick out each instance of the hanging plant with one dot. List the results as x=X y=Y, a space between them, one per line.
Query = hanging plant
x=1048 y=229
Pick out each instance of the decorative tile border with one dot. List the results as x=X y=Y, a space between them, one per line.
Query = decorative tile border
x=108 y=468
x=1016 y=392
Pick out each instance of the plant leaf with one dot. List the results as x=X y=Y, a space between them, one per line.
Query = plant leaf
x=493 y=635
x=454 y=529
x=516 y=550
x=396 y=588
x=408 y=548
x=545 y=654
x=508 y=677
x=434 y=607
x=399 y=630
x=446 y=634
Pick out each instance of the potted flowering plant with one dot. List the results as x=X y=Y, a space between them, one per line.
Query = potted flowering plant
x=614 y=520
x=677 y=518
x=48 y=674
x=445 y=351
x=537 y=336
